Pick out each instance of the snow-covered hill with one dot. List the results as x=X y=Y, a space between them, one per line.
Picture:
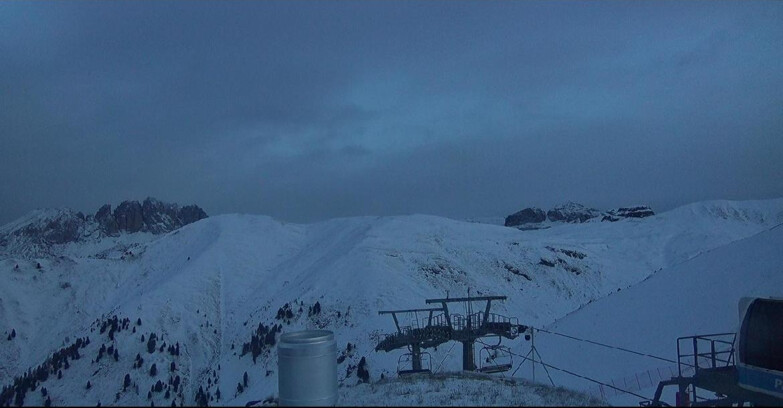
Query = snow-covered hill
x=214 y=284
x=46 y=232
x=696 y=297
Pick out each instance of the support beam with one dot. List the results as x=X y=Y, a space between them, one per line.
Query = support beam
x=465 y=299
x=468 y=358
x=416 y=360
x=426 y=309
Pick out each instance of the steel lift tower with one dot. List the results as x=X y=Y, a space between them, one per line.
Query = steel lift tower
x=446 y=326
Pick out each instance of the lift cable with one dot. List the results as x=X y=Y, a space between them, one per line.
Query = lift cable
x=608 y=346
x=583 y=377
x=448 y=353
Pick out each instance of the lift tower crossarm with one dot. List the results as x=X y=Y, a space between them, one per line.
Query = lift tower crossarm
x=443 y=302
x=426 y=309
x=465 y=299
x=397 y=323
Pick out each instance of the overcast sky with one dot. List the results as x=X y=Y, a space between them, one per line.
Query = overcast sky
x=310 y=110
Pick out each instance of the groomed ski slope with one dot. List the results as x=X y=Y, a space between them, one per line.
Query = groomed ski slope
x=209 y=284
x=699 y=296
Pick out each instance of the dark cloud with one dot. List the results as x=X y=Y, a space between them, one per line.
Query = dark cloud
x=308 y=110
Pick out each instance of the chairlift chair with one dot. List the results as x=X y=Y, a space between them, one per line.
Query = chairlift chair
x=406 y=360
x=495 y=359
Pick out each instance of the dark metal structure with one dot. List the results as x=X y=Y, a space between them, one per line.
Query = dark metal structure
x=414 y=337
x=725 y=369
x=441 y=326
x=495 y=359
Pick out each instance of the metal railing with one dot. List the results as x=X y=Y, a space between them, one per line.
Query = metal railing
x=437 y=320
x=705 y=351
x=460 y=322
x=477 y=320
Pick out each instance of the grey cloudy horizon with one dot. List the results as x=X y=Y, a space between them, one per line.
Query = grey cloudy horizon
x=307 y=110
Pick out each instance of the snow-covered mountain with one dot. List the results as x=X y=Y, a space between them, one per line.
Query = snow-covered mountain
x=225 y=287
x=43 y=232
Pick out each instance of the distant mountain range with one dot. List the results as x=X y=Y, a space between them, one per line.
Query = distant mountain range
x=206 y=302
x=571 y=212
x=35 y=234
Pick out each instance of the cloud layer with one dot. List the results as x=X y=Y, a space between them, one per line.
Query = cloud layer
x=310 y=110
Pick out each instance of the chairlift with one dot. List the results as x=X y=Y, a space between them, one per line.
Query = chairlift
x=405 y=364
x=495 y=359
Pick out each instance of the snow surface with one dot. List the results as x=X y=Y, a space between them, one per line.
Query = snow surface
x=696 y=297
x=209 y=284
x=463 y=389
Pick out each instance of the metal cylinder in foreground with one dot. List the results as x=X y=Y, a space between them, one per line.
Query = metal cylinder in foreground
x=307 y=368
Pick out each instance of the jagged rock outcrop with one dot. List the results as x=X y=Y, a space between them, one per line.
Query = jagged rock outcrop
x=151 y=215
x=33 y=235
x=129 y=217
x=160 y=217
x=572 y=212
x=106 y=220
x=190 y=214
x=526 y=216
x=62 y=229
x=628 y=212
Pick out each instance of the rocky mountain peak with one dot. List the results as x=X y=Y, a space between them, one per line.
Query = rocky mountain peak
x=571 y=212
x=640 y=211
x=35 y=233
x=530 y=215
x=151 y=215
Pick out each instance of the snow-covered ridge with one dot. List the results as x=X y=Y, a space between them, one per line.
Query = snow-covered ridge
x=47 y=232
x=754 y=211
x=214 y=284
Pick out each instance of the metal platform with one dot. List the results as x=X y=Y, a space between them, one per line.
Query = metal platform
x=715 y=374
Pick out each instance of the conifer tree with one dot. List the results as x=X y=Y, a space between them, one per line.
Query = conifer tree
x=151 y=344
